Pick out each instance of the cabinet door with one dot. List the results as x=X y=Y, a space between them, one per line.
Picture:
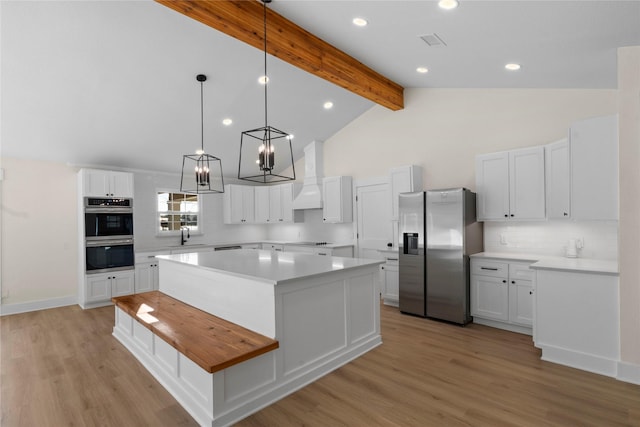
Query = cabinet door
x=233 y=204
x=96 y=183
x=146 y=277
x=122 y=283
x=391 y=293
x=121 y=184
x=275 y=204
x=492 y=185
x=558 y=179
x=262 y=204
x=594 y=169
x=526 y=183
x=239 y=204
x=489 y=297
x=521 y=302
x=286 y=202
x=98 y=288
x=403 y=179
x=248 y=204
x=331 y=197
x=337 y=204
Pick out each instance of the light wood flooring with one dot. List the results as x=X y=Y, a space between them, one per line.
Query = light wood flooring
x=62 y=367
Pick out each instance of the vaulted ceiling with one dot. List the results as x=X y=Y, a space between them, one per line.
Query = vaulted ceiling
x=113 y=83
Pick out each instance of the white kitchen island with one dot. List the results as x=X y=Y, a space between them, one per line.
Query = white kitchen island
x=323 y=311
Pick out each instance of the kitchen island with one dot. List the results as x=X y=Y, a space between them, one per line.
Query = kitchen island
x=323 y=311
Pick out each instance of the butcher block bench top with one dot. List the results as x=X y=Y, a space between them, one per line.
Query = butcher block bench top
x=209 y=341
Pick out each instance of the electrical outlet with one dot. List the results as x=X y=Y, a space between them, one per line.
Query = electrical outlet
x=503 y=239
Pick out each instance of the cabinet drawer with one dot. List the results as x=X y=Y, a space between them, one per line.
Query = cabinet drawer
x=391 y=260
x=489 y=268
x=520 y=271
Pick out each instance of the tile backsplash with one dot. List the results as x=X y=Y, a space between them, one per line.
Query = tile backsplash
x=551 y=237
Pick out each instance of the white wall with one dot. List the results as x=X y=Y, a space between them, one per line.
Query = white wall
x=312 y=229
x=39 y=231
x=443 y=130
x=550 y=237
x=629 y=123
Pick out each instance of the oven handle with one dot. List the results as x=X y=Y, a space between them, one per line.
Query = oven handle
x=120 y=242
x=112 y=210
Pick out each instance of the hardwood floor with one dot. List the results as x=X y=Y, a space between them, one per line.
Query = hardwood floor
x=62 y=367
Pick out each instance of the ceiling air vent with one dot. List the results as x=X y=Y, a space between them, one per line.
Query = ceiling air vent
x=433 y=40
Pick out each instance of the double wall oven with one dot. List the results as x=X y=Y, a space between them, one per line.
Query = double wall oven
x=108 y=234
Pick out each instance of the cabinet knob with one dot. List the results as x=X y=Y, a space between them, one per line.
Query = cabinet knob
x=512 y=215
x=530 y=292
x=382 y=268
x=566 y=214
x=513 y=282
x=504 y=281
x=506 y=216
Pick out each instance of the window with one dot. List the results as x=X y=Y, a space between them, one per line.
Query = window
x=177 y=211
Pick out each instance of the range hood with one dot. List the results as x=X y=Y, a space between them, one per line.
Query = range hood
x=310 y=197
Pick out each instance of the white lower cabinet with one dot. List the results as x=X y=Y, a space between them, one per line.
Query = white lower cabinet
x=502 y=294
x=390 y=279
x=578 y=321
x=146 y=276
x=102 y=287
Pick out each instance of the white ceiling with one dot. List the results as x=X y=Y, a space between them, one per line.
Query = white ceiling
x=113 y=83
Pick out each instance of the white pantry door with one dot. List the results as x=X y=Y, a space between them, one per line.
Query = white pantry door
x=374 y=217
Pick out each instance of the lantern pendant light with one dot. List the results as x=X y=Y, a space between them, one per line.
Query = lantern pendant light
x=201 y=172
x=264 y=149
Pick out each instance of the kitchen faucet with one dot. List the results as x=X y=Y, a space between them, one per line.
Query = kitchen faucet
x=182 y=239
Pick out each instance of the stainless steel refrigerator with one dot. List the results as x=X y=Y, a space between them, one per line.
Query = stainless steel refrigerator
x=437 y=231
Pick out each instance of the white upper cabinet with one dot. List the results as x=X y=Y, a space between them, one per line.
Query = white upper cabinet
x=337 y=199
x=558 y=179
x=238 y=203
x=103 y=183
x=492 y=186
x=276 y=213
x=272 y=204
x=403 y=179
x=594 y=168
x=261 y=200
x=526 y=183
x=510 y=185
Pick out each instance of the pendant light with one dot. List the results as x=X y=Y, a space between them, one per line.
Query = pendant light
x=266 y=154
x=201 y=172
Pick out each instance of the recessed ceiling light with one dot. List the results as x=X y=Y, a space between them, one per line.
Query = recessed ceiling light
x=512 y=67
x=227 y=122
x=448 y=4
x=263 y=80
x=328 y=105
x=360 y=22
x=422 y=70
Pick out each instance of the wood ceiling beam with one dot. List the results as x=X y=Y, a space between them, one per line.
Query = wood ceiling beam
x=243 y=20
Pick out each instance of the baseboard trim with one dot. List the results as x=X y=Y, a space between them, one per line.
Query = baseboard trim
x=628 y=372
x=24 y=307
x=587 y=362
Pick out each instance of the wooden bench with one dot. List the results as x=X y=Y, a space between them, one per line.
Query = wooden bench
x=209 y=341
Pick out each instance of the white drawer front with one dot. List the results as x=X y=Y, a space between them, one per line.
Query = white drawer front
x=489 y=268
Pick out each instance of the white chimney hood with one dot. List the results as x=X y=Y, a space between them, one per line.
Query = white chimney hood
x=310 y=197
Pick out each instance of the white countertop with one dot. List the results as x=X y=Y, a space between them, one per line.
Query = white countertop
x=164 y=250
x=272 y=267
x=542 y=262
